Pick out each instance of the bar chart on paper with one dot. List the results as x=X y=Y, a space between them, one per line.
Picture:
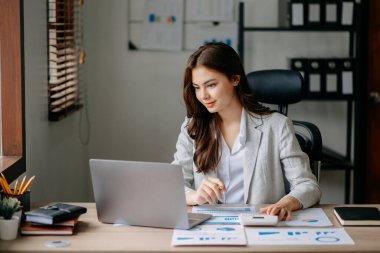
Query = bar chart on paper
x=292 y=236
x=210 y=235
x=223 y=215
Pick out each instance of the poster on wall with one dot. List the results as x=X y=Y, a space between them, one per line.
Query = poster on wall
x=163 y=25
x=223 y=32
x=211 y=10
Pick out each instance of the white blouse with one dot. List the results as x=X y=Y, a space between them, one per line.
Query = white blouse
x=230 y=167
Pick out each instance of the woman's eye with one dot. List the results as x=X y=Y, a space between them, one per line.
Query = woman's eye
x=211 y=85
x=197 y=88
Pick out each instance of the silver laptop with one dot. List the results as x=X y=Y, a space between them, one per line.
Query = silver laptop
x=142 y=194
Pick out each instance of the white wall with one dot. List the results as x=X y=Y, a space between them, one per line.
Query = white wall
x=134 y=96
x=54 y=152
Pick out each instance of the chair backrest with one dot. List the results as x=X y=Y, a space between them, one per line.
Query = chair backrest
x=283 y=87
x=277 y=86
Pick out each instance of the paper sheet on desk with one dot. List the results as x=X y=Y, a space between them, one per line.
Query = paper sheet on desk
x=223 y=215
x=227 y=215
x=297 y=236
x=210 y=235
x=311 y=217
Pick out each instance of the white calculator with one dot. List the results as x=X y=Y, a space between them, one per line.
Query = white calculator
x=252 y=219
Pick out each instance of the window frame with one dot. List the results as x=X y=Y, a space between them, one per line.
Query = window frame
x=13 y=159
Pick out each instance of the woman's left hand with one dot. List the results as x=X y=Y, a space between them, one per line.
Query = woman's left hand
x=283 y=208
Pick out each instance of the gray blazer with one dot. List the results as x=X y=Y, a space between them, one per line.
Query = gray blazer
x=274 y=164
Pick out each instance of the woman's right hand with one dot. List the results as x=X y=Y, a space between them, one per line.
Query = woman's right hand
x=209 y=190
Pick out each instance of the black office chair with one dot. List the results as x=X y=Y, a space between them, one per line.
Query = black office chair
x=283 y=87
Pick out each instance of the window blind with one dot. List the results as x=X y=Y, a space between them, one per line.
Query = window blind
x=66 y=57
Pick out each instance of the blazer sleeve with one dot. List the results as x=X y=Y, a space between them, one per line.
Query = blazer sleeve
x=296 y=165
x=184 y=156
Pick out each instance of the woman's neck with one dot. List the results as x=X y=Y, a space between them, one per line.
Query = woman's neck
x=232 y=114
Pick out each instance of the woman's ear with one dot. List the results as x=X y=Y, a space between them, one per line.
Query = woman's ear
x=236 y=80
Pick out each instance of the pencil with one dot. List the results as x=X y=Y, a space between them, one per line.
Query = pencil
x=4 y=181
x=27 y=185
x=5 y=184
x=2 y=175
x=2 y=186
x=15 y=188
x=21 y=185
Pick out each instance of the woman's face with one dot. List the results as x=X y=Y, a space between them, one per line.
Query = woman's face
x=213 y=89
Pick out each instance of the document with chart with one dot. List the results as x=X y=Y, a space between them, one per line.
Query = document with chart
x=297 y=236
x=229 y=215
x=210 y=235
x=223 y=215
x=311 y=217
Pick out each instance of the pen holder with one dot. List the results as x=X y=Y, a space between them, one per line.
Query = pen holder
x=23 y=198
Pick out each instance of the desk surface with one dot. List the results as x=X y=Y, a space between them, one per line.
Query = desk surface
x=93 y=236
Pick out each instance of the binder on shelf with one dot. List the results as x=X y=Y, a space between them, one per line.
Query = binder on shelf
x=298 y=13
x=315 y=14
x=315 y=76
x=299 y=64
x=347 y=13
x=283 y=13
x=332 y=76
x=331 y=13
x=347 y=76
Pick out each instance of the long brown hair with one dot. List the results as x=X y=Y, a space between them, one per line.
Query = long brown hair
x=205 y=127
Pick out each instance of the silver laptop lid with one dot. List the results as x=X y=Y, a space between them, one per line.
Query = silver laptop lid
x=139 y=193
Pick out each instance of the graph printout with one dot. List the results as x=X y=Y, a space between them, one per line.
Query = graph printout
x=163 y=25
x=223 y=215
x=299 y=236
x=210 y=235
x=311 y=217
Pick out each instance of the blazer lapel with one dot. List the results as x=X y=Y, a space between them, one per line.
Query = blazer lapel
x=251 y=150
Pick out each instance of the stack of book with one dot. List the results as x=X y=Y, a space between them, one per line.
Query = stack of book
x=53 y=219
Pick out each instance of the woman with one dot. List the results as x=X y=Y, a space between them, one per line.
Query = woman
x=233 y=149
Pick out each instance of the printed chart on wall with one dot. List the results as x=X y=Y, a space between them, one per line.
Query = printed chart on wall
x=224 y=32
x=163 y=25
x=211 y=10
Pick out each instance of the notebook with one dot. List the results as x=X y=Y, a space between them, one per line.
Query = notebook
x=359 y=216
x=142 y=194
